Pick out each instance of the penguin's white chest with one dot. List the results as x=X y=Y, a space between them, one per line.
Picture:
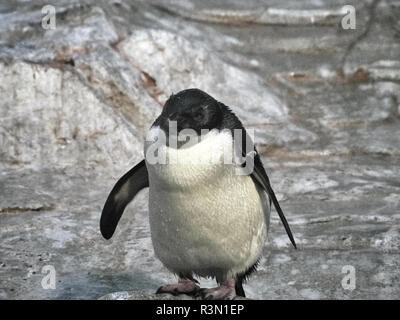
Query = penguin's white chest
x=204 y=217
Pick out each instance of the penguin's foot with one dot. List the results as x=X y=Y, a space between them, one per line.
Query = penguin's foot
x=226 y=291
x=186 y=286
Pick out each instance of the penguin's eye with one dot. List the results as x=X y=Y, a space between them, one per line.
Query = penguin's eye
x=198 y=116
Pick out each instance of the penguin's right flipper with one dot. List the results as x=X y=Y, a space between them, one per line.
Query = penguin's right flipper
x=260 y=177
x=123 y=192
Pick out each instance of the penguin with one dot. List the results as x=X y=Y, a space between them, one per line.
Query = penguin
x=209 y=216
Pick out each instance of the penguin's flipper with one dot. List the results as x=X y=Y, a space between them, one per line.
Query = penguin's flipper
x=123 y=192
x=260 y=177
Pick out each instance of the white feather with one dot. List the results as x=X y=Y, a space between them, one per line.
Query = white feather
x=205 y=218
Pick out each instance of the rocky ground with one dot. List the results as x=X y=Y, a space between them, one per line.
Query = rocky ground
x=76 y=101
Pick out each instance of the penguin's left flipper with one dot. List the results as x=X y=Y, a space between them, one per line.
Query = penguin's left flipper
x=123 y=192
x=260 y=177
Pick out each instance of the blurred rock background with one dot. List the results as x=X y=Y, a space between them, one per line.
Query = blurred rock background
x=76 y=101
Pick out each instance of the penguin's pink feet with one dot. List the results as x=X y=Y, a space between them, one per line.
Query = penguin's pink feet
x=226 y=291
x=184 y=285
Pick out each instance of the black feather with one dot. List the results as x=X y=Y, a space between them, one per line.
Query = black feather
x=123 y=192
x=241 y=278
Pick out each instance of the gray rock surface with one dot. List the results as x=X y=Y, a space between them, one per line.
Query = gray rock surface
x=75 y=103
x=143 y=295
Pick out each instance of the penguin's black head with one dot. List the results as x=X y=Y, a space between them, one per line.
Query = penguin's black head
x=191 y=109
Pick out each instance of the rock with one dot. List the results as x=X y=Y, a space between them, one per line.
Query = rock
x=384 y=70
x=233 y=13
x=51 y=118
x=176 y=63
x=149 y=295
x=143 y=295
